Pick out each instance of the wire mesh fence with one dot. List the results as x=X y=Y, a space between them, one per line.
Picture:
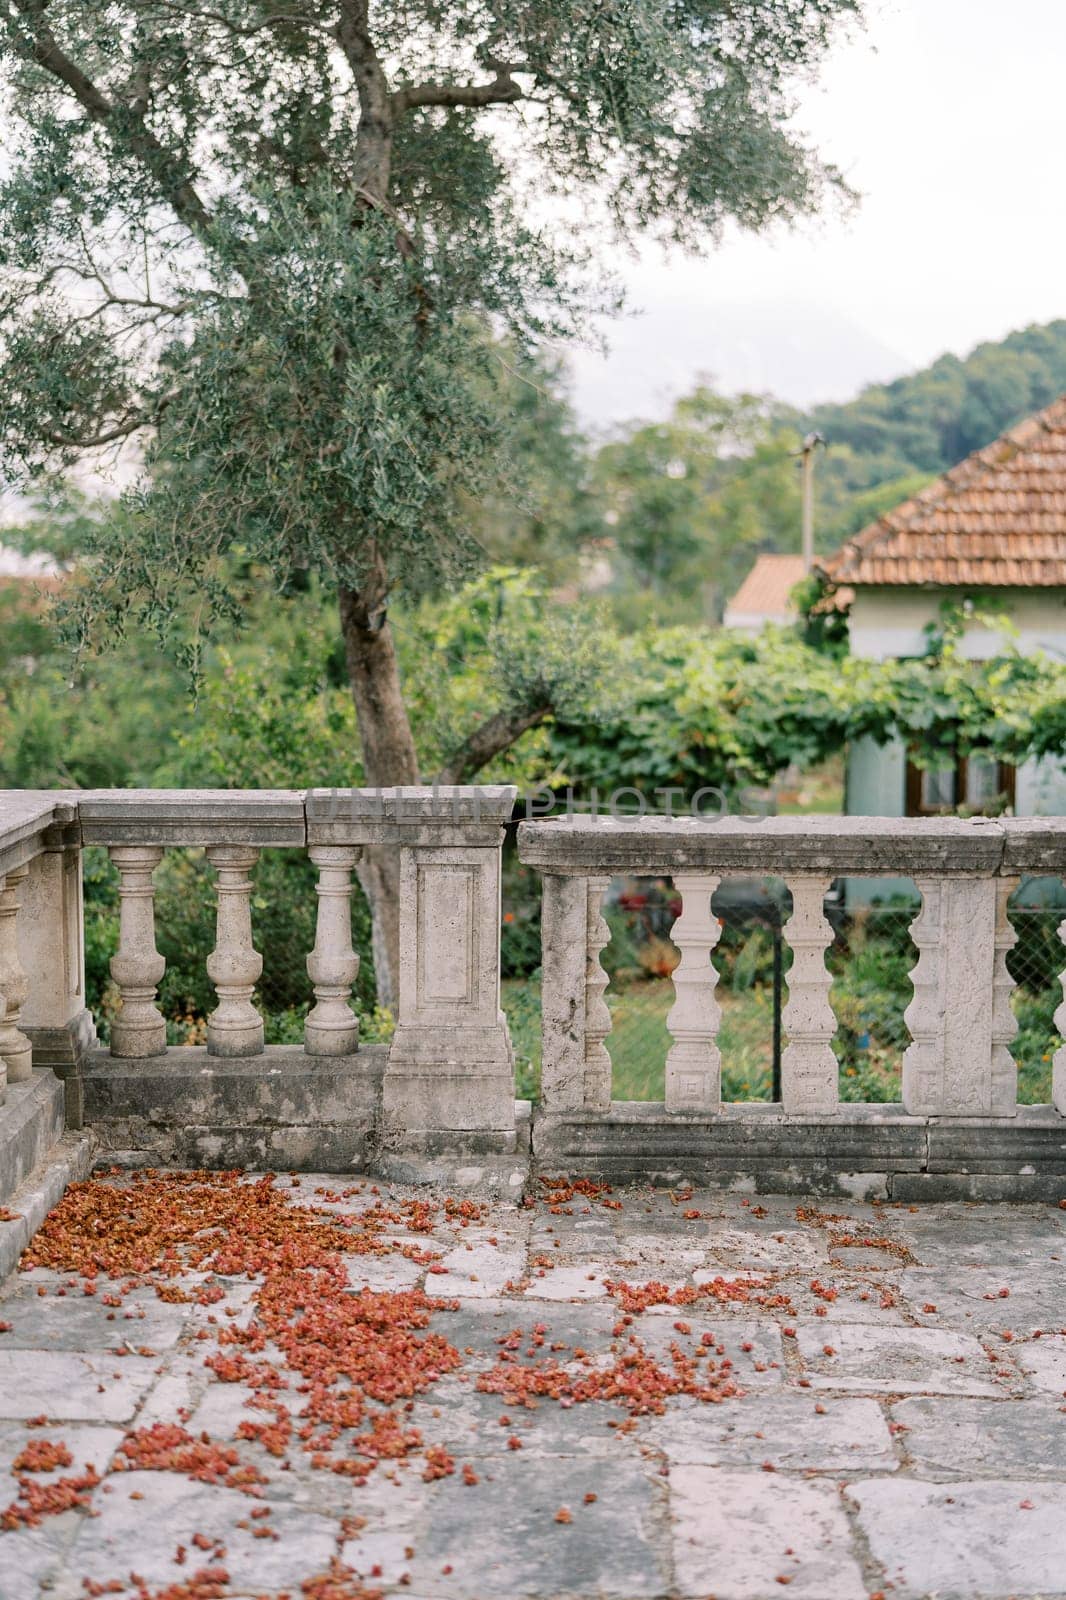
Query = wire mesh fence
x=870 y=959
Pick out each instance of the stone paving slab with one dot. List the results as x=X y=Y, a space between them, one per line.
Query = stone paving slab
x=613 y=1547
x=1043 y=1361
x=1021 y=1297
x=753 y=1348
x=72 y=1386
x=925 y=1456
x=743 y=1533
x=468 y=1423
x=148 y=1515
x=790 y=1432
x=998 y=1538
x=977 y=1438
x=895 y=1360
x=953 y=1234
x=84 y=1322
x=89 y=1443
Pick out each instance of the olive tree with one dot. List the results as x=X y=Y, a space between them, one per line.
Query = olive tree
x=271 y=252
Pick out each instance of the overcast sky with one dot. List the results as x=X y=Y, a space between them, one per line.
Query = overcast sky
x=949 y=117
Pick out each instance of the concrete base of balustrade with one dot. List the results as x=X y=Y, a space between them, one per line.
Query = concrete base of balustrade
x=66 y=1049
x=282 y=1110
x=31 y=1120
x=492 y=1165
x=868 y=1152
x=288 y=1111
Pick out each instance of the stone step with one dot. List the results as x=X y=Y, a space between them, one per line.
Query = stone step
x=31 y=1120
x=69 y=1159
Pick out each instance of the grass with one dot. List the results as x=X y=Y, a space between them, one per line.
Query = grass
x=638 y=1040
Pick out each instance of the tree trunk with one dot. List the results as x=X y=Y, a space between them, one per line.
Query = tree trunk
x=389 y=758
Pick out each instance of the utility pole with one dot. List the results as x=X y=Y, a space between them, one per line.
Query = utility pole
x=810 y=445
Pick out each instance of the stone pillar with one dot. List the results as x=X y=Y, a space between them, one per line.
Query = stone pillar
x=235 y=1027
x=694 y=1061
x=949 y=1068
x=51 y=942
x=16 y=1052
x=332 y=1028
x=598 y=1066
x=139 y=1030
x=809 y=1069
x=450 y=1067
x=1004 y=1023
x=564 y=960
x=1058 y=1066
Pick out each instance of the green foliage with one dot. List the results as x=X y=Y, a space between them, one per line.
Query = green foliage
x=727 y=711
x=285 y=249
x=545 y=509
x=929 y=420
x=692 y=500
x=502 y=645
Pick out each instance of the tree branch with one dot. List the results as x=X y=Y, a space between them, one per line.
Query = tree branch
x=121 y=430
x=490 y=738
x=39 y=44
x=277 y=19
x=503 y=90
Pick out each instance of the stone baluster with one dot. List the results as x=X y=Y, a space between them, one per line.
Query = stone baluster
x=596 y=1094
x=1058 y=1066
x=1004 y=1068
x=16 y=1052
x=564 y=959
x=139 y=1030
x=235 y=1027
x=694 y=1061
x=922 y=1075
x=809 y=1069
x=332 y=1028
x=949 y=1068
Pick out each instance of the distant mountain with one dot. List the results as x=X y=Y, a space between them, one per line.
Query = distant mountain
x=929 y=420
x=889 y=441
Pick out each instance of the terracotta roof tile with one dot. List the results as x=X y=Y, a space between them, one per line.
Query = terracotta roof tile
x=996 y=520
x=766 y=589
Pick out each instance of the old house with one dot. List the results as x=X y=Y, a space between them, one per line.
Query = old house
x=988 y=539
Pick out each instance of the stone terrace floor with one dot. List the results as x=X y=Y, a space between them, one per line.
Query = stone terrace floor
x=898 y=1426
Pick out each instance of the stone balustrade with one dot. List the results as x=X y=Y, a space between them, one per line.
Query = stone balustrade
x=443 y=1090
x=958 y=1067
x=449 y=1070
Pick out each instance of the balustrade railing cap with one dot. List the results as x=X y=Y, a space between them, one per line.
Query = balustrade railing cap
x=25 y=816
x=864 y=846
x=192 y=816
x=412 y=813
x=1035 y=844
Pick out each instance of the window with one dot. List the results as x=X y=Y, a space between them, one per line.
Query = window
x=975 y=784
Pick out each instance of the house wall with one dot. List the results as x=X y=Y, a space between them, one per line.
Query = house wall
x=886 y=622
x=889 y=622
x=754 y=621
